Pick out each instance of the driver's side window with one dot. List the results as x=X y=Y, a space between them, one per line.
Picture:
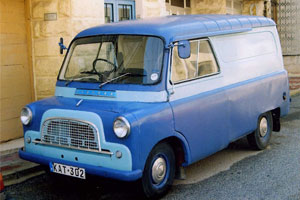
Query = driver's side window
x=201 y=63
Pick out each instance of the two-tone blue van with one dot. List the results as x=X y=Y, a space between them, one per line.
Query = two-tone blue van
x=141 y=99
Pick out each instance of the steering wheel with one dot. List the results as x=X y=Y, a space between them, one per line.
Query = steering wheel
x=107 y=61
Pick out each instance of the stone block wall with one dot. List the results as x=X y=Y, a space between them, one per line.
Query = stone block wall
x=150 y=8
x=253 y=7
x=72 y=17
x=208 y=6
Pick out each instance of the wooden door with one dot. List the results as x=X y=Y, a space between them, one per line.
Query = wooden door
x=15 y=73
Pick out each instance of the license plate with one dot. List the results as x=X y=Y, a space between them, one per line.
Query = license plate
x=67 y=170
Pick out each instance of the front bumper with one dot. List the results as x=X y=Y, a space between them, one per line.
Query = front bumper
x=95 y=170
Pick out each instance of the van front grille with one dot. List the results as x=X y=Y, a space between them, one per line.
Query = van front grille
x=70 y=133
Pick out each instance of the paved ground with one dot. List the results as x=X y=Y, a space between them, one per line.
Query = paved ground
x=234 y=173
x=15 y=170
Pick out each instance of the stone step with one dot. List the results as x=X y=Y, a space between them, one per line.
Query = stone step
x=15 y=170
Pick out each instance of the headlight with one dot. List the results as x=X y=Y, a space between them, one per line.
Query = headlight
x=26 y=116
x=121 y=127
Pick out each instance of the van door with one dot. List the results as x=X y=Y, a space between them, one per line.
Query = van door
x=199 y=104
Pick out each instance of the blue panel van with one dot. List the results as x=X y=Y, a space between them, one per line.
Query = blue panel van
x=138 y=100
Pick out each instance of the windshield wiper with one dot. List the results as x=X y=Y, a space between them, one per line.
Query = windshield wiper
x=113 y=79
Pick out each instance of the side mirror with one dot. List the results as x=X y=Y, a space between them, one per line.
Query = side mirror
x=61 y=45
x=184 y=49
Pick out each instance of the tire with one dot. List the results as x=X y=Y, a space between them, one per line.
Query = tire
x=154 y=183
x=260 y=138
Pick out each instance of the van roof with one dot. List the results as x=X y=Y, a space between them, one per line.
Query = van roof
x=179 y=27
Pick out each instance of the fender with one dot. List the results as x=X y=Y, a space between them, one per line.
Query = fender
x=186 y=148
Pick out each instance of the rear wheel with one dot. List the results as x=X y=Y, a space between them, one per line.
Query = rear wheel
x=159 y=171
x=260 y=138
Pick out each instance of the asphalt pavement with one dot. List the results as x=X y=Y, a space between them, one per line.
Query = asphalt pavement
x=234 y=173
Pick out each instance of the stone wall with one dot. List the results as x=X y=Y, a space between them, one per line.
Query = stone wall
x=150 y=8
x=208 y=6
x=72 y=17
x=250 y=7
x=253 y=7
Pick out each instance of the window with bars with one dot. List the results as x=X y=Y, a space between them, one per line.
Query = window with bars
x=109 y=12
x=125 y=12
x=119 y=10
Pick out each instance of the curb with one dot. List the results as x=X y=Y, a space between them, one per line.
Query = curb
x=22 y=175
x=15 y=170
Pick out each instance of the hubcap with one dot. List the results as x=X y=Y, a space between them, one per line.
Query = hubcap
x=159 y=170
x=263 y=127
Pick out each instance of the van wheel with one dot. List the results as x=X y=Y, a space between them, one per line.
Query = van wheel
x=159 y=171
x=260 y=138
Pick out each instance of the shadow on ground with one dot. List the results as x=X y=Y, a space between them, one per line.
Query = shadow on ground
x=52 y=186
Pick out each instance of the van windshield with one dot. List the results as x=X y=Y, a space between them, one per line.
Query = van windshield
x=119 y=59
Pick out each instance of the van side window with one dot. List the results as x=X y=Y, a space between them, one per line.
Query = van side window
x=201 y=62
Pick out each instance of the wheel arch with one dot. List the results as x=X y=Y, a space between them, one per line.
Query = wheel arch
x=180 y=147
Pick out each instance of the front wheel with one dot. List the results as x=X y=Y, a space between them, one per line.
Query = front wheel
x=159 y=171
x=260 y=138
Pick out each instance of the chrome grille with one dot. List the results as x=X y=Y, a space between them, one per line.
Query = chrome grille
x=70 y=133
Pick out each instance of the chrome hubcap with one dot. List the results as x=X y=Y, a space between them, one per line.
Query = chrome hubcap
x=263 y=127
x=159 y=170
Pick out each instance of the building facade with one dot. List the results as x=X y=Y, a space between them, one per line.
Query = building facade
x=289 y=31
x=31 y=29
